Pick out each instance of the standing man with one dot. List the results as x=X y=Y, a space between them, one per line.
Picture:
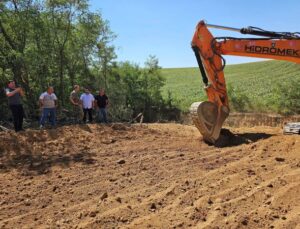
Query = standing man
x=14 y=94
x=48 y=103
x=75 y=101
x=87 y=101
x=102 y=102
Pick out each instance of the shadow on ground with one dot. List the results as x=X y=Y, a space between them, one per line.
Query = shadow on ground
x=37 y=164
x=227 y=138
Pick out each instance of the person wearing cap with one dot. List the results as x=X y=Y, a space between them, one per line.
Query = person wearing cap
x=75 y=101
x=87 y=101
x=14 y=95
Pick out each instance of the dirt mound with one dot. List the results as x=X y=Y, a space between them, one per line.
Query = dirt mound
x=149 y=176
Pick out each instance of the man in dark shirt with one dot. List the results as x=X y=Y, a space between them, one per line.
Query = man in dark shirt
x=14 y=94
x=102 y=102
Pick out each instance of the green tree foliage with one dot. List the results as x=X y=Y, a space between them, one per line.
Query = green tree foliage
x=61 y=43
x=286 y=98
x=238 y=100
x=136 y=90
x=52 y=42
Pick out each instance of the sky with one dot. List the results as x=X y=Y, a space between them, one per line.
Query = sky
x=164 y=28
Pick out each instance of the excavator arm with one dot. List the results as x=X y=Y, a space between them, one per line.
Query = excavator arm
x=210 y=115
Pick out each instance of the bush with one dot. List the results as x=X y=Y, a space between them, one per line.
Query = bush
x=238 y=100
x=134 y=90
x=286 y=98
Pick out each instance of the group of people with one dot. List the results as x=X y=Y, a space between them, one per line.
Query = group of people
x=87 y=102
x=81 y=104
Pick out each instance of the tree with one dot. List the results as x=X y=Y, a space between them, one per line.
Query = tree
x=106 y=52
x=287 y=96
x=16 y=20
x=238 y=100
x=61 y=43
x=138 y=89
x=52 y=42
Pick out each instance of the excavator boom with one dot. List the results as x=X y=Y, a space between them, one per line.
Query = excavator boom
x=210 y=115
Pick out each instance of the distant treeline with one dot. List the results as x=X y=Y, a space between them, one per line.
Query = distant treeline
x=62 y=43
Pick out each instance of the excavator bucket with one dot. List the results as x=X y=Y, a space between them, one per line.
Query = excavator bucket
x=208 y=118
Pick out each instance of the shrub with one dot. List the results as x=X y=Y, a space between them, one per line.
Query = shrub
x=287 y=97
x=238 y=100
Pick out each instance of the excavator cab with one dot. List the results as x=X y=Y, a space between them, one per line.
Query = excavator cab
x=209 y=116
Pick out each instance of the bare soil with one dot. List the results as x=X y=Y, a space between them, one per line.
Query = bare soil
x=149 y=176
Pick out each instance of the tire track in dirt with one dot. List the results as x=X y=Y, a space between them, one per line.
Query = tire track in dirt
x=169 y=178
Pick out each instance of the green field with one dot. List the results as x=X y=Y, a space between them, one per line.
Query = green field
x=257 y=80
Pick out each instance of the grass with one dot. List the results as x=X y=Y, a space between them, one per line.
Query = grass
x=256 y=80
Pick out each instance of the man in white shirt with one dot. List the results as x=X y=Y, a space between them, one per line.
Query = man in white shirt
x=48 y=103
x=87 y=101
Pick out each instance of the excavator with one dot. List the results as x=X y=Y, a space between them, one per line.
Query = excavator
x=209 y=116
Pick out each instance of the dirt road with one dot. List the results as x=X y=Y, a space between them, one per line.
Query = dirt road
x=151 y=176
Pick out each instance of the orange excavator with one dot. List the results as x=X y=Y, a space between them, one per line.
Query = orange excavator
x=209 y=116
